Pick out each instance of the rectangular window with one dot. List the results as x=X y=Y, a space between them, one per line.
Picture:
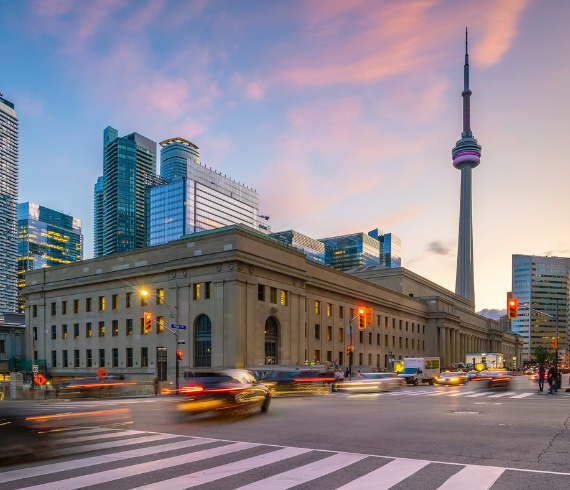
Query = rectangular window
x=306 y=306
x=129 y=357
x=340 y=358
x=115 y=328
x=53 y=332
x=261 y=292
x=399 y=341
x=35 y=333
x=2 y=346
x=196 y=291
x=393 y=323
x=159 y=324
x=329 y=334
x=75 y=306
x=115 y=302
x=317 y=307
x=160 y=296
x=272 y=295
x=144 y=299
x=89 y=357
x=128 y=300
x=370 y=359
x=386 y=340
x=361 y=359
x=329 y=309
x=329 y=356
x=283 y=298
x=351 y=311
x=378 y=361
x=129 y=326
x=424 y=344
x=64 y=307
x=115 y=358
x=369 y=338
x=400 y=324
x=76 y=358
x=341 y=334
x=393 y=341
x=406 y=326
x=387 y=322
x=35 y=311
x=101 y=303
x=144 y=356
x=64 y=332
x=64 y=358
x=101 y=329
x=317 y=331
x=406 y=342
x=361 y=337
x=53 y=358
x=424 y=329
x=306 y=333
x=413 y=343
x=341 y=312
x=102 y=357
x=88 y=304
x=377 y=339
x=208 y=290
x=378 y=320
x=76 y=331
x=413 y=324
x=88 y=332
x=53 y=309
x=317 y=357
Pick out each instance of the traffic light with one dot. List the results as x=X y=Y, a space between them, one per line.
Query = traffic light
x=513 y=308
x=554 y=343
x=147 y=319
x=178 y=355
x=349 y=350
x=361 y=318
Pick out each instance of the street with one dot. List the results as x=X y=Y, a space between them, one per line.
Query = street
x=420 y=437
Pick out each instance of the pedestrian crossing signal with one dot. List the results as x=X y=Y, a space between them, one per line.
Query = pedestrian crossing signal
x=361 y=318
x=513 y=308
x=554 y=343
x=178 y=355
x=147 y=322
x=349 y=350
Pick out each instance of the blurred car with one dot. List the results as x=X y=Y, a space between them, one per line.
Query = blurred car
x=371 y=382
x=497 y=379
x=91 y=387
x=471 y=375
x=452 y=378
x=232 y=390
x=295 y=382
x=529 y=370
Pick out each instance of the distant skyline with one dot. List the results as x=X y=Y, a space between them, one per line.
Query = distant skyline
x=342 y=115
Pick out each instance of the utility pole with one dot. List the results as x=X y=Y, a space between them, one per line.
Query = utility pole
x=351 y=342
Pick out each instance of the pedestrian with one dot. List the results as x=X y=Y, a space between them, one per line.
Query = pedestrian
x=274 y=374
x=336 y=377
x=155 y=383
x=340 y=376
x=346 y=373
x=359 y=374
x=551 y=379
x=541 y=376
x=263 y=376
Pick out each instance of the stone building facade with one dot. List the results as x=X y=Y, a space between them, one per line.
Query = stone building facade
x=245 y=301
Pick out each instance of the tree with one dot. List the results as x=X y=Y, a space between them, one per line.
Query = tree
x=541 y=355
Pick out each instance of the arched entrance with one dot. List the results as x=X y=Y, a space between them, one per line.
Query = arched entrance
x=271 y=341
x=203 y=342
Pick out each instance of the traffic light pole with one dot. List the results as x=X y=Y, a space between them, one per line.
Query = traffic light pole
x=351 y=341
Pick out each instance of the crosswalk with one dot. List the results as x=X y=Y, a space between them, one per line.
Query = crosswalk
x=153 y=461
x=452 y=392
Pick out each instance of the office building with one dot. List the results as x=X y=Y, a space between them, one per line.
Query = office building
x=466 y=156
x=127 y=161
x=505 y=324
x=313 y=249
x=8 y=201
x=98 y=217
x=542 y=284
x=351 y=251
x=194 y=198
x=12 y=343
x=390 y=248
x=45 y=238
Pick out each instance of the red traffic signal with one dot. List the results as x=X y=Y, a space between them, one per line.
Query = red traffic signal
x=349 y=350
x=147 y=322
x=361 y=317
x=178 y=355
x=513 y=308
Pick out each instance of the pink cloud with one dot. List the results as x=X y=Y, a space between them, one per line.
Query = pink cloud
x=142 y=17
x=253 y=91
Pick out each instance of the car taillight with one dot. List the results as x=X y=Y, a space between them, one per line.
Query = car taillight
x=191 y=389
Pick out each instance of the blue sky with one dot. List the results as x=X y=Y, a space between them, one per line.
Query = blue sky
x=341 y=114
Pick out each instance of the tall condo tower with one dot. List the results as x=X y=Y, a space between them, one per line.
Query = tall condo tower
x=466 y=156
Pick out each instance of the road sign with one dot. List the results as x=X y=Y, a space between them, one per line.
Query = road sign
x=181 y=342
x=35 y=369
x=174 y=325
x=101 y=373
x=40 y=379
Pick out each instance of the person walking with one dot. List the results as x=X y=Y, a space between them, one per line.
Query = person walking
x=155 y=383
x=335 y=381
x=541 y=376
x=551 y=380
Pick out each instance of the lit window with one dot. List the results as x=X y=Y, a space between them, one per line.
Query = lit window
x=283 y=298
x=317 y=307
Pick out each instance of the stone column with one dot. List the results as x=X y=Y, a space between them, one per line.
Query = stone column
x=442 y=345
x=447 y=346
x=458 y=357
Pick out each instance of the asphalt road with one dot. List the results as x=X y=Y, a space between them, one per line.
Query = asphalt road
x=418 y=437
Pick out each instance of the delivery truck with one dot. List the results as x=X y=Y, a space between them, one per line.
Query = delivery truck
x=420 y=370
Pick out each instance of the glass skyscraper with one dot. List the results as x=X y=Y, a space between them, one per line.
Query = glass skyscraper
x=8 y=201
x=45 y=238
x=99 y=217
x=195 y=198
x=390 y=248
x=313 y=249
x=540 y=282
x=351 y=251
x=127 y=162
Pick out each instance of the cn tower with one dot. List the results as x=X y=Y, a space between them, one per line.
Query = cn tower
x=466 y=156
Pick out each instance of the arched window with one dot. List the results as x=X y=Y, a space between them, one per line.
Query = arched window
x=271 y=341
x=203 y=342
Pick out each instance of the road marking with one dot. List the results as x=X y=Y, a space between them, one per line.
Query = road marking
x=99 y=436
x=484 y=393
x=503 y=394
x=137 y=469
x=105 y=458
x=457 y=393
x=386 y=476
x=473 y=478
x=218 y=472
x=440 y=393
x=304 y=474
x=522 y=395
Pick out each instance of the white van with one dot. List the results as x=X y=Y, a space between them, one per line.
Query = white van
x=420 y=370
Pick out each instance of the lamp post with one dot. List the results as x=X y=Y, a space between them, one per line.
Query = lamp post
x=351 y=343
x=144 y=293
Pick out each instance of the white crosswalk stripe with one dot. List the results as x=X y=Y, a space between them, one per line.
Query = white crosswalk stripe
x=263 y=466
x=466 y=393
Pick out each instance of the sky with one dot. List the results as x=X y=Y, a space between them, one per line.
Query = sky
x=341 y=114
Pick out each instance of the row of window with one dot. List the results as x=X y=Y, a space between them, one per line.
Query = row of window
x=128 y=360
x=101 y=329
x=340 y=358
x=361 y=332
x=129 y=300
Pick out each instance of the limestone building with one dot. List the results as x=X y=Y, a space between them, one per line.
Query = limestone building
x=246 y=301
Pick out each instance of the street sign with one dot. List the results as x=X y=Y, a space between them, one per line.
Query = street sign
x=35 y=369
x=180 y=327
x=101 y=373
x=181 y=342
x=40 y=379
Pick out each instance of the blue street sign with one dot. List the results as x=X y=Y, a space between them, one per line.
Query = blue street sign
x=174 y=325
x=181 y=342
